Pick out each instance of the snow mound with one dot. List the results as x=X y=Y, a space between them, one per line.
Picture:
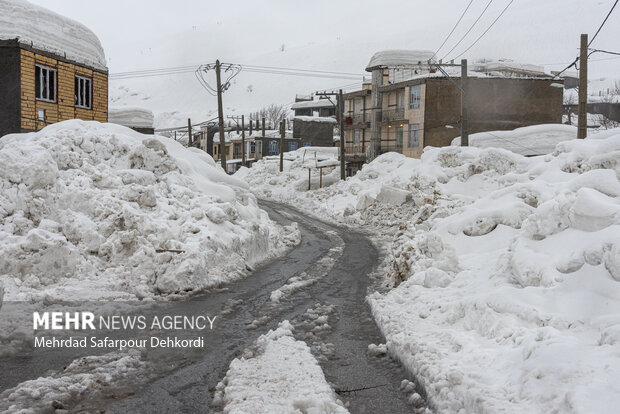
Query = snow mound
x=279 y=375
x=131 y=116
x=45 y=30
x=531 y=140
x=90 y=209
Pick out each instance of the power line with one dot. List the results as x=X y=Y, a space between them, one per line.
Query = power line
x=604 y=51
x=485 y=32
x=604 y=21
x=470 y=29
x=454 y=28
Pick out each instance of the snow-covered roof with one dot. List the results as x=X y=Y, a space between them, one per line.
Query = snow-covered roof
x=321 y=103
x=131 y=116
x=511 y=66
x=45 y=30
x=325 y=119
x=389 y=58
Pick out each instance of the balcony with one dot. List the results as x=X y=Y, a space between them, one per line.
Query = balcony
x=394 y=114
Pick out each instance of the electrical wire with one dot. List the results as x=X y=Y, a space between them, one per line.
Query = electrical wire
x=454 y=28
x=603 y=24
x=469 y=30
x=485 y=32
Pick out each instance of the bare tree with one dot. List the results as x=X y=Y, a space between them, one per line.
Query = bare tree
x=273 y=114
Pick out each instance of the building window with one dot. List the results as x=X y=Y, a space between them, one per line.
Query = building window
x=399 y=136
x=414 y=135
x=356 y=138
x=346 y=106
x=414 y=96
x=292 y=146
x=252 y=147
x=273 y=147
x=45 y=83
x=83 y=92
x=357 y=108
x=400 y=101
x=307 y=144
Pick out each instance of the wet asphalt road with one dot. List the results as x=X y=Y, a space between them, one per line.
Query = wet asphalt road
x=184 y=383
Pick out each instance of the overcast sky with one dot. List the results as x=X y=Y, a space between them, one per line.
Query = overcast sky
x=332 y=35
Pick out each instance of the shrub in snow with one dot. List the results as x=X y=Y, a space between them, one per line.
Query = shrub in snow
x=92 y=210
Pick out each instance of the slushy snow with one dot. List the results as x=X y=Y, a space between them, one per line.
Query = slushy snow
x=98 y=211
x=502 y=276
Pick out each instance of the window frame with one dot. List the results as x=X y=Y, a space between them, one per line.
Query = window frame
x=415 y=129
x=78 y=80
x=357 y=134
x=415 y=96
x=293 y=146
x=39 y=68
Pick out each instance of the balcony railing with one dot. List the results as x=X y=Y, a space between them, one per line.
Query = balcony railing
x=394 y=114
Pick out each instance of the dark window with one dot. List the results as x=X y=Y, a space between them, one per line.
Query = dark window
x=273 y=147
x=307 y=144
x=45 y=83
x=292 y=146
x=415 y=93
x=83 y=92
x=414 y=135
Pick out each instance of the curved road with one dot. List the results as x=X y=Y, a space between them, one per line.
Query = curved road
x=334 y=264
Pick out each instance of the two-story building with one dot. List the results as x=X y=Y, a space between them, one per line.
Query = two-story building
x=51 y=69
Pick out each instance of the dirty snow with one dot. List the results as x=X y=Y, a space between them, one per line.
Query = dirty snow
x=90 y=210
x=277 y=375
x=45 y=30
x=502 y=272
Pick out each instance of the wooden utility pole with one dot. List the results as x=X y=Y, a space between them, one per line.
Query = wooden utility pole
x=464 y=118
x=342 y=147
x=220 y=114
x=282 y=132
x=189 y=132
x=582 y=117
x=263 y=141
x=243 y=140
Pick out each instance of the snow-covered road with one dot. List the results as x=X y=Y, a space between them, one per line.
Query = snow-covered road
x=320 y=287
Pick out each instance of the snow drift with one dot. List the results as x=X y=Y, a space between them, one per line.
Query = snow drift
x=96 y=211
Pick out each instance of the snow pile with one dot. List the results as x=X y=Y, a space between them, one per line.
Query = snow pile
x=45 y=30
x=531 y=140
x=391 y=58
x=84 y=378
x=506 y=269
x=131 y=116
x=93 y=211
x=279 y=375
x=323 y=119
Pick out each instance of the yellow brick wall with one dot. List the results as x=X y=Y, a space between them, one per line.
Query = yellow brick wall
x=64 y=107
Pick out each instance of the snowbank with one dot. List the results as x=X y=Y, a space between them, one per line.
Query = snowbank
x=92 y=211
x=131 y=116
x=45 y=30
x=531 y=140
x=504 y=270
x=279 y=375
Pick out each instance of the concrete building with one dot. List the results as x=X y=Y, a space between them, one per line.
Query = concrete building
x=392 y=114
x=48 y=73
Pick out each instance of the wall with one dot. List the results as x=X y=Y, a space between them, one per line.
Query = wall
x=64 y=107
x=494 y=104
x=9 y=85
x=319 y=134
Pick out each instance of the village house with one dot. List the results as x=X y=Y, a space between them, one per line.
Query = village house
x=409 y=105
x=315 y=120
x=51 y=69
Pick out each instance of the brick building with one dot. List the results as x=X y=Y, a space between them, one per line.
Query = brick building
x=48 y=73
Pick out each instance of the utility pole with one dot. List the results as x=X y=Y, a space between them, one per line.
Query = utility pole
x=220 y=114
x=582 y=117
x=464 y=119
x=342 y=143
x=263 y=141
x=243 y=140
x=189 y=132
x=282 y=132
